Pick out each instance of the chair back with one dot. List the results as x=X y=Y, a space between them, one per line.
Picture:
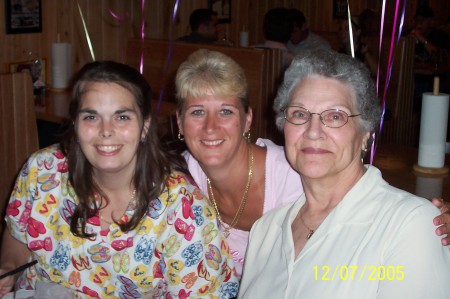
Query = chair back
x=18 y=129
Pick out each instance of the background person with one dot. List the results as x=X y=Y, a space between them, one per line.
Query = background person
x=430 y=40
x=431 y=52
x=365 y=38
x=302 y=38
x=348 y=217
x=203 y=23
x=108 y=213
x=277 y=27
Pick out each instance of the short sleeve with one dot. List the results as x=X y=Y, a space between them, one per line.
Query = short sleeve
x=20 y=203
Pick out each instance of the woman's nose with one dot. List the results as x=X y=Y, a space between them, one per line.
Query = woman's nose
x=314 y=127
x=210 y=122
x=106 y=129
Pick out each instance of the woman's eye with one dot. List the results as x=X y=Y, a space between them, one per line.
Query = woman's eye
x=197 y=112
x=299 y=114
x=89 y=117
x=123 y=117
x=336 y=116
x=226 y=112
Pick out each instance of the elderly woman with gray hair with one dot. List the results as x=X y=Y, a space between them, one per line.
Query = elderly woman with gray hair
x=351 y=234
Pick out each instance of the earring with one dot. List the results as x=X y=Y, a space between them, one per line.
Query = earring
x=363 y=154
x=247 y=136
x=180 y=136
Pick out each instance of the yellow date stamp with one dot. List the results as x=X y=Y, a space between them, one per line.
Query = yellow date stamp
x=358 y=273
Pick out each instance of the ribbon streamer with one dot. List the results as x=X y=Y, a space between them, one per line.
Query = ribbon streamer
x=395 y=37
x=350 y=31
x=117 y=17
x=122 y=19
x=88 y=39
x=141 y=66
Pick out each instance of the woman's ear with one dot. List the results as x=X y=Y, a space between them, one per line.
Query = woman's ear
x=248 y=120
x=365 y=140
x=179 y=119
x=146 y=127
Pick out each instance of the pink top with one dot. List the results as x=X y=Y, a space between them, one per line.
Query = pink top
x=283 y=186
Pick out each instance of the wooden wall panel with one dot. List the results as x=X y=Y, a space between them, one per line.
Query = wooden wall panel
x=109 y=35
x=18 y=131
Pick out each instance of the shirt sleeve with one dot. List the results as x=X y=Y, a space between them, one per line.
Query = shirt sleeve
x=20 y=203
x=417 y=265
x=200 y=264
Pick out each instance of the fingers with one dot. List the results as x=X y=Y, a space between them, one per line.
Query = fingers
x=443 y=220
x=442 y=230
x=446 y=207
x=438 y=202
x=6 y=285
x=441 y=205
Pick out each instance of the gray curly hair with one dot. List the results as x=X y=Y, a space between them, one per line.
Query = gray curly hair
x=337 y=66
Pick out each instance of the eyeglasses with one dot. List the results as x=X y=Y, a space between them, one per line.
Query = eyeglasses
x=332 y=118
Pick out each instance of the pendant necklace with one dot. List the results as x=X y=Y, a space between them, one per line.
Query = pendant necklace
x=311 y=231
x=226 y=227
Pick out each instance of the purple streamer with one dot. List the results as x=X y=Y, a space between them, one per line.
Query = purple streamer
x=141 y=65
x=117 y=17
x=395 y=37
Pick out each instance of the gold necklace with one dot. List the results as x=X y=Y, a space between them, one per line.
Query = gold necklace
x=131 y=206
x=226 y=228
x=311 y=231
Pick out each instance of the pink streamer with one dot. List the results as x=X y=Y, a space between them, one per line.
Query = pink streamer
x=393 y=45
x=117 y=17
x=121 y=19
x=141 y=66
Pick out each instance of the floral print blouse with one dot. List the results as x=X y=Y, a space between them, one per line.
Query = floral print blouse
x=176 y=251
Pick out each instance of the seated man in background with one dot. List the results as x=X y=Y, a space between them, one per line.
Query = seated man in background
x=365 y=38
x=302 y=38
x=277 y=29
x=203 y=23
x=430 y=40
x=432 y=46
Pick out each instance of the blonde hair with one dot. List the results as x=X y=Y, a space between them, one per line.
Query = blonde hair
x=208 y=72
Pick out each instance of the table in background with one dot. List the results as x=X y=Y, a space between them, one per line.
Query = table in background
x=396 y=164
x=53 y=106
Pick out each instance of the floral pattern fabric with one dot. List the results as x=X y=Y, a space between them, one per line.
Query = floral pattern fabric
x=176 y=251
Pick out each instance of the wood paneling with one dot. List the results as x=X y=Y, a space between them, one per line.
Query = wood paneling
x=109 y=34
x=401 y=124
x=18 y=131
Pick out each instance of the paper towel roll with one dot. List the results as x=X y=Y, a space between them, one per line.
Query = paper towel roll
x=243 y=39
x=61 y=64
x=433 y=130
